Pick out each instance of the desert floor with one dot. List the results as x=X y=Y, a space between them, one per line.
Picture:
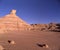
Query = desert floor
x=28 y=40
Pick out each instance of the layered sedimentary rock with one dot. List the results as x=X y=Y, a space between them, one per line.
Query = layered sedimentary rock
x=11 y=22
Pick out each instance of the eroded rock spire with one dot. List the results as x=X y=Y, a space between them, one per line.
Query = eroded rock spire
x=13 y=12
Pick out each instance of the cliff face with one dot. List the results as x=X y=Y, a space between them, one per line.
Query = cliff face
x=11 y=22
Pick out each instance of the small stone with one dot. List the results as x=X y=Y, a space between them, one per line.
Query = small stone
x=1 y=47
x=11 y=42
x=43 y=45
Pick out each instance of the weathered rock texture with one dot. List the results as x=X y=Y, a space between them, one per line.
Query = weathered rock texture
x=46 y=27
x=11 y=22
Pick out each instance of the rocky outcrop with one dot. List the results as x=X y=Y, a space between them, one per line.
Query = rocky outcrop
x=54 y=27
x=40 y=27
x=47 y=27
x=12 y=22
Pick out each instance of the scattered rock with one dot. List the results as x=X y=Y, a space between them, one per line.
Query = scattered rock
x=1 y=47
x=43 y=45
x=11 y=42
x=55 y=27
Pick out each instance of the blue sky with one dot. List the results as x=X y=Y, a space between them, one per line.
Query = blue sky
x=33 y=11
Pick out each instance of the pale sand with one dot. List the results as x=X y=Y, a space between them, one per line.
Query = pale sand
x=28 y=40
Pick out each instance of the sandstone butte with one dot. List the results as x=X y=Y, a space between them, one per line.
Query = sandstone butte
x=12 y=22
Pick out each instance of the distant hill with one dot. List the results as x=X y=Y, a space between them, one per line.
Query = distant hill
x=47 y=27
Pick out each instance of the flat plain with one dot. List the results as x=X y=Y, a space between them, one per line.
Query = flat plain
x=28 y=40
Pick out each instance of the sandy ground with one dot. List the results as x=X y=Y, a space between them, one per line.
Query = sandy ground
x=28 y=40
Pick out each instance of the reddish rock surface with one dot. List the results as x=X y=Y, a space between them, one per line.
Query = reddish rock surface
x=12 y=22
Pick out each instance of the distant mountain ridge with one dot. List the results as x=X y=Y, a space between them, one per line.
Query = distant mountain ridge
x=47 y=27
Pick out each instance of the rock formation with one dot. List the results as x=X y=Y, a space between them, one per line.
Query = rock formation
x=12 y=22
x=47 y=27
x=40 y=27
